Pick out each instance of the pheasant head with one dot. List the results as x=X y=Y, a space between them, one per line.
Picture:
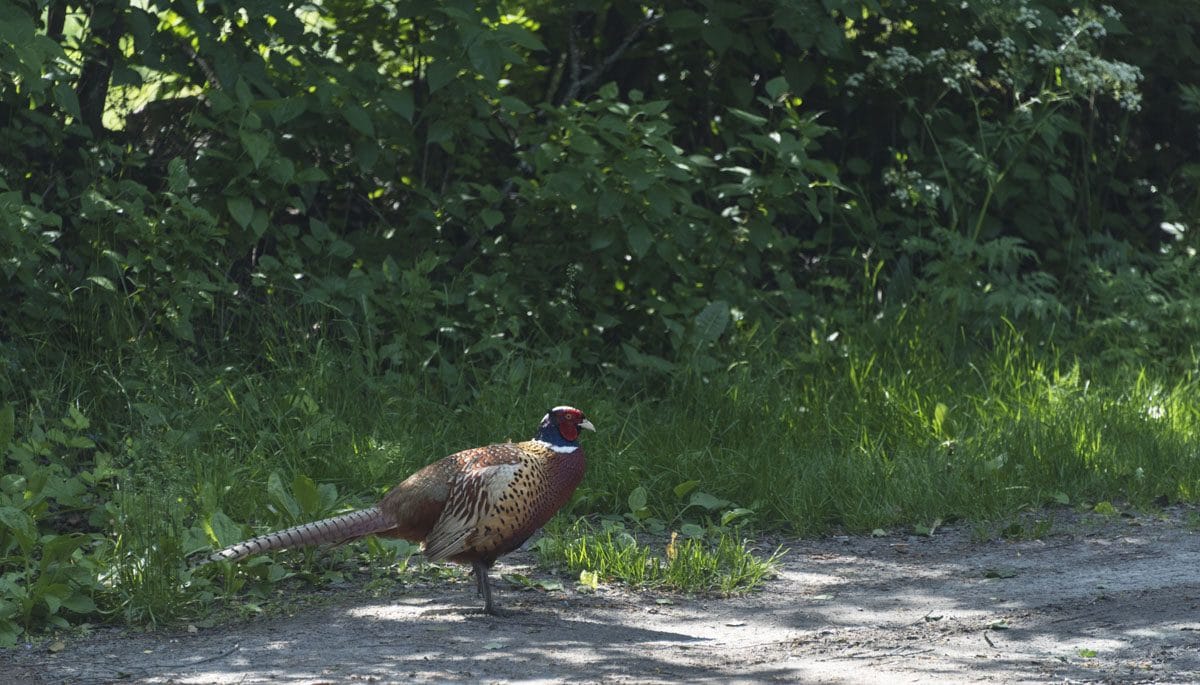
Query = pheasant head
x=560 y=428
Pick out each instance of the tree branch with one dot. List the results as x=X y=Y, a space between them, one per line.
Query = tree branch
x=579 y=82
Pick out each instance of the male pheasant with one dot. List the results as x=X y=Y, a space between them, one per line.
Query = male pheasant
x=470 y=507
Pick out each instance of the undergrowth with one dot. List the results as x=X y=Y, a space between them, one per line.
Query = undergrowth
x=888 y=427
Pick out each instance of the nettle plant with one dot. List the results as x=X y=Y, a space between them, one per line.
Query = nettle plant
x=1005 y=147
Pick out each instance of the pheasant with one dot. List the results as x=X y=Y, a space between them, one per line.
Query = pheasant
x=470 y=507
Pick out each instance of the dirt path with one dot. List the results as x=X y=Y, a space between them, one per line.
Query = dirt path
x=1096 y=600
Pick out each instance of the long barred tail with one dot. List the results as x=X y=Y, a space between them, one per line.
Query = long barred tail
x=337 y=529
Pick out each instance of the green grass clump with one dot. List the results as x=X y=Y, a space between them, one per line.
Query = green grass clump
x=723 y=564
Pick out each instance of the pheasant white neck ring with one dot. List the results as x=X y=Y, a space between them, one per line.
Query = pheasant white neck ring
x=558 y=449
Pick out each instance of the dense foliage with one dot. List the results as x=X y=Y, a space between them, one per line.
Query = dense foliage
x=440 y=184
x=459 y=195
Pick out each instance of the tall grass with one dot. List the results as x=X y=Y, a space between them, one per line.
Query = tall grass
x=860 y=433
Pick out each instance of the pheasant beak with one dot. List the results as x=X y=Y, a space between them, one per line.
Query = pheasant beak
x=588 y=425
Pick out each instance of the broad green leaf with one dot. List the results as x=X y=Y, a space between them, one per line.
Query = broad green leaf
x=256 y=145
x=327 y=494
x=241 y=209
x=777 y=87
x=637 y=499
x=286 y=109
x=712 y=321
x=221 y=529
x=515 y=105
x=305 y=492
x=491 y=217
x=707 y=501
x=692 y=530
x=358 y=118
x=19 y=523
x=400 y=102
x=259 y=223
x=639 y=239
x=9 y=632
x=65 y=98
x=521 y=36
x=79 y=603
x=718 y=37
x=58 y=548
x=439 y=74
x=281 y=496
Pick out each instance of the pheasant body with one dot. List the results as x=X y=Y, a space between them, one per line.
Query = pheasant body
x=471 y=507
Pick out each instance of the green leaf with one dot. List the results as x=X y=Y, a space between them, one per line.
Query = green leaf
x=256 y=145
x=57 y=548
x=327 y=494
x=1062 y=186
x=712 y=321
x=241 y=209
x=685 y=487
x=747 y=116
x=287 y=109
x=358 y=118
x=79 y=603
x=707 y=501
x=735 y=514
x=400 y=102
x=305 y=492
x=777 y=87
x=75 y=419
x=19 y=523
x=491 y=217
x=515 y=105
x=9 y=632
x=65 y=98
x=639 y=239
x=692 y=530
x=281 y=496
x=439 y=74
x=221 y=529
x=103 y=283
x=521 y=36
x=717 y=36
x=637 y=499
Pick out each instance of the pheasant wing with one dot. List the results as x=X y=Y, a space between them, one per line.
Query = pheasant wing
x=486 y=478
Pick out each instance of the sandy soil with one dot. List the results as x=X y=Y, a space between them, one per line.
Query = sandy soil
x=1096 y=600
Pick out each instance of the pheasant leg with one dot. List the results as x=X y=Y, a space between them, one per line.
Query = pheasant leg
x=484 y=588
